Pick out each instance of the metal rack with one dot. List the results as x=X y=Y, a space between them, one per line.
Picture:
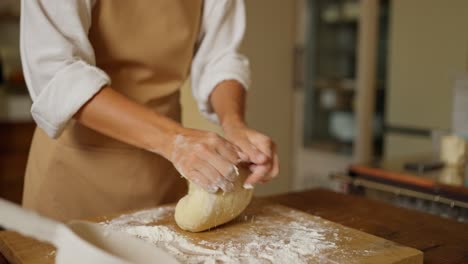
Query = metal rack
x=356 y=185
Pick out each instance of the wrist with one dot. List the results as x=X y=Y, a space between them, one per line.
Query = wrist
x=232 y=121
x=163 y=143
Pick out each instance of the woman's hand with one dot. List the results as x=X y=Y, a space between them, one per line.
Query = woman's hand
x=260 y=149
x=228 y=101
x=206 y=159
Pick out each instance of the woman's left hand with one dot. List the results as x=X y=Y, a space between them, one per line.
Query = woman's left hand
x=259 y=149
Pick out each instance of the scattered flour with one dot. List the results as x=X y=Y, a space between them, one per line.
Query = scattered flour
x=143 y=217
x=269 y=241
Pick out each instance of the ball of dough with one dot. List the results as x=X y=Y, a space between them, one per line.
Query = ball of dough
x=200 y=210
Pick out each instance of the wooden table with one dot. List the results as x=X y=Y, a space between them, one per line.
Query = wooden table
x=441 y=240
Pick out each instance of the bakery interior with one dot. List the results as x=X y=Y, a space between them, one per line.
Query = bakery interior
x=367 y=101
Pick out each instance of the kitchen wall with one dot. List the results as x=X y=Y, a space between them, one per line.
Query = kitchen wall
x=269 y=43
x=428 y=50
x=191 y=117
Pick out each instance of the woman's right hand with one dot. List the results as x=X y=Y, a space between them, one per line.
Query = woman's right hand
x=206 y=159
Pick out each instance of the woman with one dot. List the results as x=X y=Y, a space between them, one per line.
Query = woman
x=104 y=76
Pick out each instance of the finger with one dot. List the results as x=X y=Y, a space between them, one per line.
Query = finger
x=272 y=167
x=206 y=171
x=225 y=148
x=265 y=145
x=197 y=178
x=253 y=179
x=229 y=152
x=273 y=173
x=242 y=157
x=223 y=166
x=215 y=178
x=224 y=185
x=255 y=155
x=258 y=173
x=276 y=166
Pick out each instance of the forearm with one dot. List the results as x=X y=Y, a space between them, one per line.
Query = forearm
x=114 y=115
x=228 y=101
x=202 y=157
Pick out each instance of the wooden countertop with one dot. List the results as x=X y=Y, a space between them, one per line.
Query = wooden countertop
x=441 y=240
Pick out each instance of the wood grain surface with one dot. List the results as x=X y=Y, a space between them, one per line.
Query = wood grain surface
x=442 y=240
x=262 y=217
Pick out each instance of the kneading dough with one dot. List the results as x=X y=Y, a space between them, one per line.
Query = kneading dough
x=200 y=210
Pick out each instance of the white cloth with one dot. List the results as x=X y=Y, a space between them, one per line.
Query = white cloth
x=60 y=68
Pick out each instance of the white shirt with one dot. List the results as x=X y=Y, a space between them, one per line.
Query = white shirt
x=60 y=68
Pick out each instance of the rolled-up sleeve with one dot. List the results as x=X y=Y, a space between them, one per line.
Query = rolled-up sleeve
x=58 y=60
x=217 y=58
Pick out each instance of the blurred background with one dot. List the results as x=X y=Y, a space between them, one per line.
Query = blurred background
x=361 y=96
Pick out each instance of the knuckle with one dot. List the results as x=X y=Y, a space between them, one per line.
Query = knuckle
x=250 y=150
x=211 y=140
x=232 y=158
x=212 y=135
x=192 y=175
x=200 y=147
x=216 y=140
x=190 y=160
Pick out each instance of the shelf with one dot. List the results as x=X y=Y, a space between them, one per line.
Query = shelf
x=330 y=145
x=341 y=22
x=342 y=85
x=339 y=88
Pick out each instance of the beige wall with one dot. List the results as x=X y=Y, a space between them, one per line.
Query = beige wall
x=428 y=50
x=269 y=44
x=398 y=146
x=191 y=117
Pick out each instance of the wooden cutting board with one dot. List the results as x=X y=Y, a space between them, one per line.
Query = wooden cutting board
x=268 y=232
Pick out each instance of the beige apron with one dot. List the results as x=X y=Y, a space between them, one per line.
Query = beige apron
x=146 y=46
